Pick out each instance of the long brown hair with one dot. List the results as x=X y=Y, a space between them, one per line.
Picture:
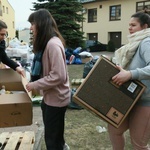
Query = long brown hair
x=46 y=28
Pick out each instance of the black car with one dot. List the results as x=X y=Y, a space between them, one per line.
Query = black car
x=95 y=46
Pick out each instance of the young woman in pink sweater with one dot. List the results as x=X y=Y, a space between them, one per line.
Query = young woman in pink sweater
x=51 y=76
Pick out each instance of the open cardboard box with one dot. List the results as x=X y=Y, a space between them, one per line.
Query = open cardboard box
x=16 y=108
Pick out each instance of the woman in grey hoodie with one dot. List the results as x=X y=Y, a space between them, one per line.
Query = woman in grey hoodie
x=133 y=61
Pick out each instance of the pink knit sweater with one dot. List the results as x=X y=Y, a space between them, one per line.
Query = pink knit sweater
x=54 y=85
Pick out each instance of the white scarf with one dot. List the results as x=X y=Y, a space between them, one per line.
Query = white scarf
x=125 y=54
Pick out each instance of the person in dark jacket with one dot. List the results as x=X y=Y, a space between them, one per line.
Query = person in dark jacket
x=3 y=56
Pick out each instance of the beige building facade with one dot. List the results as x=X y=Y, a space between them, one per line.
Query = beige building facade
x=107 y=20
x=24 y=35
x=7 y=14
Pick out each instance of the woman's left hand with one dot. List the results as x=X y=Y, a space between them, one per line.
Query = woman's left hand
x=122 y=77
x=20 y=70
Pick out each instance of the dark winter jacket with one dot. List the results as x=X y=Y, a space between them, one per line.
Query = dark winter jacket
x=4 y=58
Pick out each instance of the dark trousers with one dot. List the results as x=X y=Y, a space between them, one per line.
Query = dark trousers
x=53 y=118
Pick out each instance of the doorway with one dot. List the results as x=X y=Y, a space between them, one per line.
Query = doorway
x=116 y=38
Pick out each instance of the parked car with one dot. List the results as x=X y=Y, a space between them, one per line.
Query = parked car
x=95 y=46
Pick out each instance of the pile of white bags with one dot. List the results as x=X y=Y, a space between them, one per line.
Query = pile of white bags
x=18 y=49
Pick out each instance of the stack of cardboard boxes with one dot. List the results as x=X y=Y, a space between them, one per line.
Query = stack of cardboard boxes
x=15 y=105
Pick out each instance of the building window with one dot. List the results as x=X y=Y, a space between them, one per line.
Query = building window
x=7 y=10
x=1 y=14
x=92 y=15
x=3 y=9
x=115 y=12
x=142 y=5
x=13 y=24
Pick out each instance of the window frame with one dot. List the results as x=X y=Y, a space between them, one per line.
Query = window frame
x=92 y=15
x=139 y=8
x=115 y=15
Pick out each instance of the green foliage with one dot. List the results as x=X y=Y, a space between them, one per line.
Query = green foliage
x=68 y=16
x=111 y=46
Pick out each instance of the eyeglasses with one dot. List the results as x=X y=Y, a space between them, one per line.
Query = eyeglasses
x=3 y=34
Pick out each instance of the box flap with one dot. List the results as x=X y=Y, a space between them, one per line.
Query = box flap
x=9 y=75
x=13 y=81
x=24 y=82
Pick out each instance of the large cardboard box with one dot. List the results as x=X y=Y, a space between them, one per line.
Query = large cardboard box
x=15 y=108
x=101 y=96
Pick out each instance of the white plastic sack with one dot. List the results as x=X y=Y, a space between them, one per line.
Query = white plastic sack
x=18 y=49
x=14 y=43
x=85 y=54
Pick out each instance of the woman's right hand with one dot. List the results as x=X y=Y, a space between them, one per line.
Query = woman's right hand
x=122 y=77
x=20 y=70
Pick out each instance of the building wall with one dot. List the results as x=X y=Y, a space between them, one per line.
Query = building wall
x=24 y=35
x=8 y=16
x=103 y=26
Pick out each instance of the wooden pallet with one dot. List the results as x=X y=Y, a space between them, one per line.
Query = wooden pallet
x=75 y=83
x=17 y=140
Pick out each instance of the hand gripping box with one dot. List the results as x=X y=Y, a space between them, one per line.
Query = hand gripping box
x=16 y=107
x=101 y=96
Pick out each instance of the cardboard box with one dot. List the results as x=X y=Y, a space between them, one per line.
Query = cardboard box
x=86 y=59
x=102 y=97
x=16 y=108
